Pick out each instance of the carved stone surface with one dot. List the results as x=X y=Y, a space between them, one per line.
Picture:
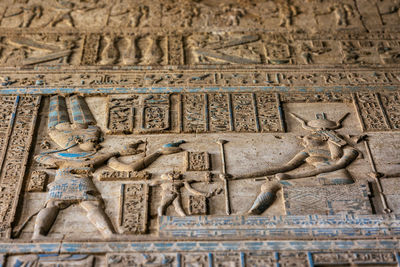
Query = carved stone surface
x=37 y=182
x=133 y=214
x=349 y=199
x=199 y=133
x=197 y=161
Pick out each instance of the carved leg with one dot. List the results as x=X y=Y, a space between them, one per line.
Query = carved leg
x=178 y=206
x=45 y=220
x=97 y=217
x=166 y=200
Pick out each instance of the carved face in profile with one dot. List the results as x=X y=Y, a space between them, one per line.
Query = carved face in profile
x=314 y=140
x=86 y=137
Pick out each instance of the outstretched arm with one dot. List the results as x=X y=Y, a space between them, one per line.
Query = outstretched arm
x=103 y=157
x=348 y=157
x=138 y=165
x=194 y=191
x=143 y=163
x=295 y=162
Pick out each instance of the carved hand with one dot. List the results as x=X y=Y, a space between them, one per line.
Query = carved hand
x=131 y=149
x=282 y=176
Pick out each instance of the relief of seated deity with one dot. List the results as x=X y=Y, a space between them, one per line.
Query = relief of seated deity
x=324 y=149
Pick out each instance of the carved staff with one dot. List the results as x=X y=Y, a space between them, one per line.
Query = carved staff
x=223 y=170
x=377 y=176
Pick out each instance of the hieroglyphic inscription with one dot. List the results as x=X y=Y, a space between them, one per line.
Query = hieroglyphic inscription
x=197 y=205
x=197 y=113
x=175 y=50
x=391 y=104
x=16 y=156
x=220 y=112
x=315 y=97
x=112 y=175
x=142 y=259
x=59 y=260
x=121 y=114
x=133 y=213
x=328 y=199
x=90 y=49
x=354 y=258
x=269 y=113
x=6 y=105
x=194 y=113
x=298 y=259
x=244 y=115
x=370 y=112
x=197 y=161
x=156 y=112
x=226 y=259
x=37 y=181
x=195 y=259
x=261 y=259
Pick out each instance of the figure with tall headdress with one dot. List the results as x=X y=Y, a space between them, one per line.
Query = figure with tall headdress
x=324 y=149
x=76 y=160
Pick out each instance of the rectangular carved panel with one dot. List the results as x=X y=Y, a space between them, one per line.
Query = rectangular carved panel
x=220 y=112
x=244 y=112
x=197 y=205
x=197 y=161
x=90 y=49
x=355 y=258
x=370 y=112
x=328 y=199
x=391 y=104
x=156 y=113
x=175 y=50
x=133 y=215
x=121 y=114
x=194 y=113
x=37 y=181
x=14 y=159
x=269 y=112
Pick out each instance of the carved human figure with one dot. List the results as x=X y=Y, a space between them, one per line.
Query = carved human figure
x=171 y=184
x=64 y=11
x=232 y=14
x=324 y=149
x=286 y=12
x=75 y=163
x=135 y=15
x=341 y=11
x=27 y=12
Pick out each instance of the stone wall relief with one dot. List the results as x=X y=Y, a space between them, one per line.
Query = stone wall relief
x=202 y=48
x=74 y=161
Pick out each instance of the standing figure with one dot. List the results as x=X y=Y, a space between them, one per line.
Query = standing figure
x=324 y=149
x=232 y=14
x=75 y=162
x=171 y=184
x=286 y=12
x=341 y=11
x=28 y=13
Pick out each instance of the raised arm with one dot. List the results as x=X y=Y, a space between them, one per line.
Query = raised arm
x=295 y=162
x=348 y=157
